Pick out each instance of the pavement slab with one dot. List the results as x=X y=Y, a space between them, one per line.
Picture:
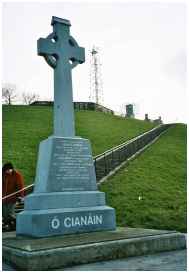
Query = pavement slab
x=164 y=261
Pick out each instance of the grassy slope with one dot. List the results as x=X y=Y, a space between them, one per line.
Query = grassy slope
x=158 y=176
x=25 y=126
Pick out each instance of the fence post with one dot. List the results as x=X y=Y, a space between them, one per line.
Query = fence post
x=112 y=164
x=95 y=167
x=125 y=148
x=119 y=156
x=105 y=167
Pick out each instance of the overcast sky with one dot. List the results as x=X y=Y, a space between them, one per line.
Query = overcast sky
x=142 y=50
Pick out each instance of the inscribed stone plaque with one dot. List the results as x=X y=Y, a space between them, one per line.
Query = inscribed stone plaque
x=68 y=165
x=72 y=165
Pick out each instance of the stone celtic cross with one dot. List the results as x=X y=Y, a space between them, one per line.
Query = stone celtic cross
x=62 y=53
x=65 y=199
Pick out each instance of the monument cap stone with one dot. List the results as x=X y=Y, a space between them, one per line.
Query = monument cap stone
x=60 y=20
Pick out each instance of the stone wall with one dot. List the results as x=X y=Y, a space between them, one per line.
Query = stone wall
x=78 y=106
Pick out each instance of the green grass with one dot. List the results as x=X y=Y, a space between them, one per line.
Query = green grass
x=158 y=176
x=25 y=126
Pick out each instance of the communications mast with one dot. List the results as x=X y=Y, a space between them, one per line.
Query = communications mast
x=96 y=92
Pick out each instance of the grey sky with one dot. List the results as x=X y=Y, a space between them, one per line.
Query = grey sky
x=142 y=50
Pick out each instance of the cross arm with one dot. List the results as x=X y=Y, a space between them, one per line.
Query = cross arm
x=46 y=47
x=78 y=54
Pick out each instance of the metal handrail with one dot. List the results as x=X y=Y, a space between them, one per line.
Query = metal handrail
x=124 y=151
x=16 y=192
x=127 y=142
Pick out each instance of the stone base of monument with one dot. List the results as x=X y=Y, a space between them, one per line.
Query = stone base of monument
x=65 y=198
x=44 y=223
x=55 y=252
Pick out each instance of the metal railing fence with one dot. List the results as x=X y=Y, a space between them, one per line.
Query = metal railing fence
x=109 y=160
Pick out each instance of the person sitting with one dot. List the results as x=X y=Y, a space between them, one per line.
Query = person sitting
x=12 y=181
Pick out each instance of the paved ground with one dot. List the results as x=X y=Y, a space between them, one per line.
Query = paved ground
x=165 y=261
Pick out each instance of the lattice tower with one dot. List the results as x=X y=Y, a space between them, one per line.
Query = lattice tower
x=96 y=90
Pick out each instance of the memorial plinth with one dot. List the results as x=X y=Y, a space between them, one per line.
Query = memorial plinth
x=65 y=198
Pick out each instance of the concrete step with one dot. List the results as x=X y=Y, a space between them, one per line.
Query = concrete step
x=27 y=253
x=164 y=261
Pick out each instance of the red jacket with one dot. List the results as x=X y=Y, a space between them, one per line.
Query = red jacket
x=11 y=183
